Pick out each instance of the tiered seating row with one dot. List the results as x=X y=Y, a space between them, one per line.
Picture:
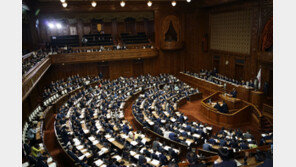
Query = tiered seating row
x=157 y=111
x=29 y=62
x=114 y=134
x=33 y=145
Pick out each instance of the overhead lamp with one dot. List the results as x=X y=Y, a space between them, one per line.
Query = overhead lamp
x=59 y=26
x=65 y=4
x=93 y=3
x=174 y=3
x=50 y=25
x=122 y=3
x=63 y=1
x=188 y=1
x=149 y=3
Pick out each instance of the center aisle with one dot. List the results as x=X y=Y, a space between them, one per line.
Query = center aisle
x=128 y=113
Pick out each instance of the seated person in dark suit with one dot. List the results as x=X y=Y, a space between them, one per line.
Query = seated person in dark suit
x=173 y=136
x=206 y=146
x=218 y=107
x=125 y=129
x=155 y=144
x=142 y=160
x=181 y=119
x=212 y=141
x=244 y=145
x=163 y=159
x=27 y=148
x=268 y=162
x=234 y=93
x=41 y=162
x=233 y=143
x=192 y=158
x=222 y=142
x=224 y=107
x=224 y=159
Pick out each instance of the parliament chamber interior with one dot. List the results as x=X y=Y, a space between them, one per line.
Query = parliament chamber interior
x=144 y=83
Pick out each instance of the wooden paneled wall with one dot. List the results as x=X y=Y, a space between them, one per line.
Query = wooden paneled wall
x=30 y=36
x=198 y=26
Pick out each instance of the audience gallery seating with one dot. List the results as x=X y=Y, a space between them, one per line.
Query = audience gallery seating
x=134 y=39
x=29 y=62
x=66 y=40
x=98 y=40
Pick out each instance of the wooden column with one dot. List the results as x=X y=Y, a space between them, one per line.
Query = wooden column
x=114 y=29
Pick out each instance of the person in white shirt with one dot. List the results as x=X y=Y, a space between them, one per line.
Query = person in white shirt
x=131 y=135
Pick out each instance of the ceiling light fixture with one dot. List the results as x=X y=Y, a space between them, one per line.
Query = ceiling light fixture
x=50 y=25
x=149 y=3
x=122 y=3
x=59 y=26
x=65 y=4
x=188 y=1
x=63 y=1
x=174 y=3
x=93 y=3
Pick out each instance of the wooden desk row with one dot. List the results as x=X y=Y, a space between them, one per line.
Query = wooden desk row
x=202 y=85
x=243 y=93
x=181 y=102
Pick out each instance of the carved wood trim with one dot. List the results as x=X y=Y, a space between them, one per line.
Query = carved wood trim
x=267 y=35
x=171 y=45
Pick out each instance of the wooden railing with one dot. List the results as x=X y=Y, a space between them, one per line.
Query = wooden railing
x=33 y=76
x=85 y=48
x=241 y=117
x=128 y=46
x=202 y=85
x=208 y=87
x=111 y=55
x=244 y=94
x=137 y=46
x=29 y=54
x=267 y=108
